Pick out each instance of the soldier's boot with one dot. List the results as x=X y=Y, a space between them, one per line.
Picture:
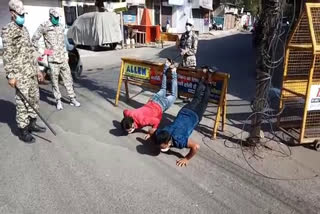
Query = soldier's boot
x=59 y=105
x=34 y=127
x=74 y=102
x=25 y=135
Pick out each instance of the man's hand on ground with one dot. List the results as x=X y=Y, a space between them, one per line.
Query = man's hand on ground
x=40 y=77
x=150 y=133
x=147 y=136
x=12 y=82
x=182 y=162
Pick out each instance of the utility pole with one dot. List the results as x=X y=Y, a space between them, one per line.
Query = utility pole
x=267 y=29
x=122 y=29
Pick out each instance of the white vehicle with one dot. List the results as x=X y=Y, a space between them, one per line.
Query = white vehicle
x=96 y=29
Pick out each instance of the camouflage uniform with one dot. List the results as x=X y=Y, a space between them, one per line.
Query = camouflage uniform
x=18 y=58
x=189 y=42
x=58 y=62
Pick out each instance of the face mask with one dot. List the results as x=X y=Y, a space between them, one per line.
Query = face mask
x=131 y=130
x=19 y=20
x=54 y=20
x=188 y=28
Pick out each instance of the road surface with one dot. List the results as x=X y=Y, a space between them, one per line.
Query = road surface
x=90 y=167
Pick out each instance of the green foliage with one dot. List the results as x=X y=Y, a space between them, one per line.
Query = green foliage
x=249 y=5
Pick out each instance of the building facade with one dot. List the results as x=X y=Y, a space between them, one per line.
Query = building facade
x=173 y=13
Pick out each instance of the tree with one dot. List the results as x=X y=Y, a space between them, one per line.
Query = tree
x=250 y=5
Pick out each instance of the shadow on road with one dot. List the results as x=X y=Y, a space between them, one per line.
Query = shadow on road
x=93 y=85
x=117 y=131
x=8 y=115
x=147 y=147
x=45 y=95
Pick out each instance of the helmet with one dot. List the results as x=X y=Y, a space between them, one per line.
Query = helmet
x=54 y=12
x=16 y=6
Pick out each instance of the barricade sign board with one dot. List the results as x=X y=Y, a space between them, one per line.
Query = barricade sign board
x=149 y=75
x=314 y=99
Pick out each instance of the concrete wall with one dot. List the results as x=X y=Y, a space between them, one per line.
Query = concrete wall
x=38 y=12
x=4 y=13
x=5 y=16
x=180 y=14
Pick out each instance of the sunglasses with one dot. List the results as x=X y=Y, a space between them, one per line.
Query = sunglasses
x=189 y=24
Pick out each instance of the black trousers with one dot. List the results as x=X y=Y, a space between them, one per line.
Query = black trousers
x=200 y=100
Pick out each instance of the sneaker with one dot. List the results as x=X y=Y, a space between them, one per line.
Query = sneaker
x=59 y=105
x=74 y=102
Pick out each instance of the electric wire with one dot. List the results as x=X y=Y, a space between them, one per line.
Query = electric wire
x=271 y=63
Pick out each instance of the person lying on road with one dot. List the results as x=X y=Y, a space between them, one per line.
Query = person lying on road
x=177 y=134
x=151 y=113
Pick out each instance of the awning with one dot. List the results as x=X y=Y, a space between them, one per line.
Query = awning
x=176 y=2
x=136 y=2
x=207 y=4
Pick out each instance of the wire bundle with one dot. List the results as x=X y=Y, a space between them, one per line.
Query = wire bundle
x=273 y=31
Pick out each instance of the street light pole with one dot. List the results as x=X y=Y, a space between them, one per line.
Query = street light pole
x=122 y=29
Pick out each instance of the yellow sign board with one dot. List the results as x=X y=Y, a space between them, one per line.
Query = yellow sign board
x=138 y=71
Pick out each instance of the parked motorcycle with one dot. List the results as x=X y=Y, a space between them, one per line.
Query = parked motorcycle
x=215 y=26
x=74 y=62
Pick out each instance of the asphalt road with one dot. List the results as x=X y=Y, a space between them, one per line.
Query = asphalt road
x=90 y=167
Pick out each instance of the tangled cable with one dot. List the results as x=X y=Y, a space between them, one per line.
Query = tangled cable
x=273 y=32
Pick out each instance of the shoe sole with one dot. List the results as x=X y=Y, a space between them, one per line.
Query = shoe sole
x=74 y=105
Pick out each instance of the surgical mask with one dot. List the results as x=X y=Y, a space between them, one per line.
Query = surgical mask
x=130 y=131
x=19 y=20
x=188 y=28
x=54 y=20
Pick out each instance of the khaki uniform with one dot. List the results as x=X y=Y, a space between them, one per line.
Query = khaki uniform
x=58 y=62
x=18 y=58
x=189 y=42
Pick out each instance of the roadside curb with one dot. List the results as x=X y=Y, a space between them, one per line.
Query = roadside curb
x=218 y=34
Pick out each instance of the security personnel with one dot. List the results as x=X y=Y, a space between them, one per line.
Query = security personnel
x=19 y=59
x=53 y=34
x=188 y=46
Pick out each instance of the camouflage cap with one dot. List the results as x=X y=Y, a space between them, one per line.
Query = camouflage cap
x=54 y=12
x=17 y=6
